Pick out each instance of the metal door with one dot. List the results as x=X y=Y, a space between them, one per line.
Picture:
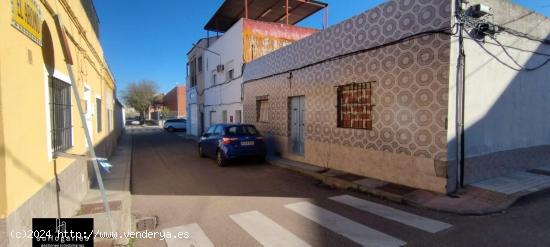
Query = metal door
x=297 y=109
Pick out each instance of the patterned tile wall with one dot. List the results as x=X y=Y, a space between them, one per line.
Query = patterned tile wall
x=411 y=89
x=385 y=23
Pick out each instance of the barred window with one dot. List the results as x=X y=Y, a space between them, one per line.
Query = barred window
x=230 y=74
x=98 y=113
x=192 y=70
x=238 y=116
x=354 y=106
x=60 y=115
x=262 y=110
x=224 y=116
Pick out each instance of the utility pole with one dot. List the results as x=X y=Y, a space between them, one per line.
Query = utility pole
x=460 y=96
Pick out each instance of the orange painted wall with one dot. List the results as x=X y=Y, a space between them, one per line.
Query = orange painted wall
x=261 y=38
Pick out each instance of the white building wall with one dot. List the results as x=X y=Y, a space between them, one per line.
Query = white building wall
x=190 y=101
x=193 y=119
x=195 y=94
x=505 y=109
x=224 y=94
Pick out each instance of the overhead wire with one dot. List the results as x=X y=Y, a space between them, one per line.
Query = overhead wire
x=474 y=23
x=446 y=30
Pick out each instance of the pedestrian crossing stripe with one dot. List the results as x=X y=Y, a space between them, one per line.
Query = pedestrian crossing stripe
x=403 y=217
x=266 y=231
x=197 y=237
x=356 y=232
x=269 y=233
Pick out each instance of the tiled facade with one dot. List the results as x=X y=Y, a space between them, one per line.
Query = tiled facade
x=408 y=140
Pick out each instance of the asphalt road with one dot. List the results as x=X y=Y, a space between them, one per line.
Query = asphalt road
x=250 y=204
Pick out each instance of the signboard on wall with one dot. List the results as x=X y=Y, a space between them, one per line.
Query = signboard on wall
x=27 y=18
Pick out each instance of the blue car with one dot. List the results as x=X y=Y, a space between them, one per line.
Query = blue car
x=230 y=141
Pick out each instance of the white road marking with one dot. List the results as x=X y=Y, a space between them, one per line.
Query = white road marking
x=266 y=231
x=403 y=217
x=196 y=236
x=356 y=232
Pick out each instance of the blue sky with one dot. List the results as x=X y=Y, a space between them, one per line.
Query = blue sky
x=146 y=39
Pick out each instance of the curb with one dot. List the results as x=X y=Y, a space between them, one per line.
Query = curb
x=406 y=198
x=340 y=183
x=465 y=212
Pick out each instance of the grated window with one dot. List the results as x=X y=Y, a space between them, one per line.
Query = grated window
x=354 y=106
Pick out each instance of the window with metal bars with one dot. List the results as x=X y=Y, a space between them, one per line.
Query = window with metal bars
x=354 y=106
x=224 y=116
x=262 y=110
x=60 y=115
x=98 y=115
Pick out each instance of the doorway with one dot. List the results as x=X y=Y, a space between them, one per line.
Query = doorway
x=297 y=109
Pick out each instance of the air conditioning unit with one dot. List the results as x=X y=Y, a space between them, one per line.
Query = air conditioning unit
x=220 y=68
x=479 y=10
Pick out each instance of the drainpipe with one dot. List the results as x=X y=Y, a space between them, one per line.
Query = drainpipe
x=460 y=97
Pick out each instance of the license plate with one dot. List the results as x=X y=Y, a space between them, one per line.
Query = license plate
x=247 y=143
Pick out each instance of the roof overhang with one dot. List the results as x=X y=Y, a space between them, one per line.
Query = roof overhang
x=232 y=11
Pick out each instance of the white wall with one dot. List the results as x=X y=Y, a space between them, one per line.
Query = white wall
x=505 y=109
x=224 y=94
x=195 y=95
x=193 y=119
x=192 y=105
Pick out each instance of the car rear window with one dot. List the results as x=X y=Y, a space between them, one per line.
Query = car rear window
x=241 y=130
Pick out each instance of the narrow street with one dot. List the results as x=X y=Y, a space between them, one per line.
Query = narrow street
x=250 y=204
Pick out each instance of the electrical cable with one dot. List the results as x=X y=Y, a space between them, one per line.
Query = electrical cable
x=524 y=35
x=522 y=68
x=474 y=24
x=201 y=93
x=449 y=31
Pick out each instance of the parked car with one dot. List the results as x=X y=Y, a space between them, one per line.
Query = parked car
x=132 y=121
x=230 y=141
x=175 y=124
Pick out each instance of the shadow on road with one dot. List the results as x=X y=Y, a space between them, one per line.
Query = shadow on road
x=166 y=169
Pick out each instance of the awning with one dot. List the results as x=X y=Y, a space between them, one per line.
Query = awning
x=232 y=11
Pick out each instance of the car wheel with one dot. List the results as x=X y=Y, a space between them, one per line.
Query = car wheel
x=260 y=159
x=170 y=129
x=201 y=152
x=220 y=159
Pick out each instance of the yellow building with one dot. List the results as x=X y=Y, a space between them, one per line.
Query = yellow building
x=38 y=113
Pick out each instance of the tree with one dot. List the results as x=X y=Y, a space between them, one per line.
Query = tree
x=164 y=112
x=140 y=95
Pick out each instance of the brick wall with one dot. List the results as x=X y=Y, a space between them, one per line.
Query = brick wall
x=175 y=101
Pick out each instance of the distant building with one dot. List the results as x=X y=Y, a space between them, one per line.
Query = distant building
x=251 y=31
x=376 y=95
x=195 y=85
x=175 y=101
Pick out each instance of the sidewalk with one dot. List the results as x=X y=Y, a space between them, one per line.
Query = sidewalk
x=117 y=186
x=485 y=197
